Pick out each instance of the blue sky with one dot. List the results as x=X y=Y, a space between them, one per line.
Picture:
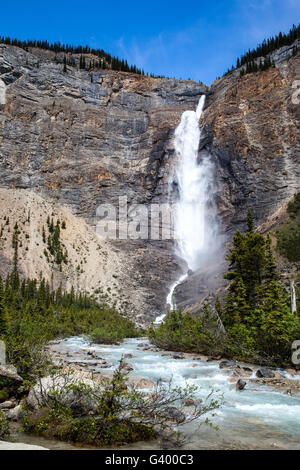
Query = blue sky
x=182 y=39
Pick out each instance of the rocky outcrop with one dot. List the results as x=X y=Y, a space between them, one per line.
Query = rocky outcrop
x=10 y=382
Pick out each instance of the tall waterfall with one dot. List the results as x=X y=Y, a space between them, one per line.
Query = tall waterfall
x=293 y=298
x=195 y=222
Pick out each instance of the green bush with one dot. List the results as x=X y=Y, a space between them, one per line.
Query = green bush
x=117 y=413
x=193 y=333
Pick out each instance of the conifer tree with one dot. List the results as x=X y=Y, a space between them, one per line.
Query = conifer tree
x=4 y=319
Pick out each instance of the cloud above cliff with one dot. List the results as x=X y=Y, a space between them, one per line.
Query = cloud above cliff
x=196 y=39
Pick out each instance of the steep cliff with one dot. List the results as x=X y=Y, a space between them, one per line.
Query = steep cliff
x=252 y=132
x=80 y=139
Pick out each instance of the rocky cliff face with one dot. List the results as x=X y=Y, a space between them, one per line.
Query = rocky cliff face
x=252 y=132
x=81 y=139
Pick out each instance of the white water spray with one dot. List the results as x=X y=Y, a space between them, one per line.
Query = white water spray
x=195 y=222
x=293 y=298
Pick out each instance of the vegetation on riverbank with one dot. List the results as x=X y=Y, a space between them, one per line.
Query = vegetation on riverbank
x=255 y=313
x=115 y=413
x=31 y=314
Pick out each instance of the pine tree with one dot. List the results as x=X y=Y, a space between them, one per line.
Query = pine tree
x=4 y=318
x=256 y=311
x=250 y=223
x=279 y=327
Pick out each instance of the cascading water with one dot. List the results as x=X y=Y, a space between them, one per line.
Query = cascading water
x=195 y=222
x=293 y=298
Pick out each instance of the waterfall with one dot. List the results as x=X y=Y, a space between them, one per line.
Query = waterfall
x=194 y=217
x=293 y=298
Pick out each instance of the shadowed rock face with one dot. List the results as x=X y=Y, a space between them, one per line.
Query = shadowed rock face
x=86 y=138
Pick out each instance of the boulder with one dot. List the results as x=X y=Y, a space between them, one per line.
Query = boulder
x=189 y=402
x=247 y=369
x=145 y=383
x=40 y=395
x=232 y=381
x=10 y=382
x=7 y=405
x=228 y=365
x=173 y=414
x=265 y=374
x=15 y=414
x=178 y=356
x=128 y=356
x=127 y=367
x=240 y=385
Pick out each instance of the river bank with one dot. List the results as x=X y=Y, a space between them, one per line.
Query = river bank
x=265 y=415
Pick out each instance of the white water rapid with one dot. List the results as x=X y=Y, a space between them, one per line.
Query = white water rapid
x=194 y=218
x=260 y=417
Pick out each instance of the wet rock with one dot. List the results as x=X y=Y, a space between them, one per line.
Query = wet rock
x=240 y=385
x=173 y=414
x=228 y=365
x=213 y=358
x=178 y=356
x=128 y=356
x=265 y=373
x=143 y=345
x=247 y=369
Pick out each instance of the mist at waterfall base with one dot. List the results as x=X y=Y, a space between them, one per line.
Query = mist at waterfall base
x=197 y=236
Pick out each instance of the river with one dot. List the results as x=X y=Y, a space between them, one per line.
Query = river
x=257 y=418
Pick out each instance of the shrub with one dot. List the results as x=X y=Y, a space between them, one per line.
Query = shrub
x=4 y=427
